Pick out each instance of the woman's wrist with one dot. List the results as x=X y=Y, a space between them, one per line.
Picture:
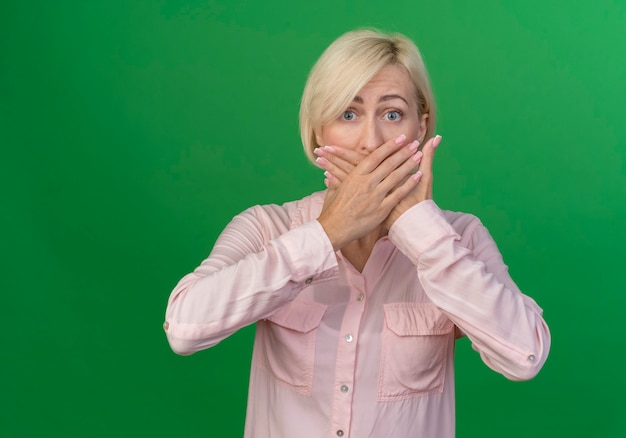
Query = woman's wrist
x=333 y=234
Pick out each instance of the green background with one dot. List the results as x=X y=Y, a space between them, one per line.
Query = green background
x=133 y=131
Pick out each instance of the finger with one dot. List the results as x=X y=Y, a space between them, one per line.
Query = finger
x=402 y=190
x=429 y=151
x=426 y=166
x=331 y=168
x=395 y=160
x=401 y=174
x=347 y=155
x=344 y=159
x=328 y=152
x=331 y=181
x=338 y=163
x=373 y=160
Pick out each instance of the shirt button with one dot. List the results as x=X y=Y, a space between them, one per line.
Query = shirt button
x=166 y=325
x=531 y=358
x=360 y=297
x=344 y=388
x=309 y=280
x=340 y=432
x=349 y=338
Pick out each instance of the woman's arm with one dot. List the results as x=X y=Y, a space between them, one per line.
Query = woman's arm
x=462 y=272
x=256 y=266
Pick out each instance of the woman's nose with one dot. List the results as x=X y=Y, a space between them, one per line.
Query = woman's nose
x=370 y=137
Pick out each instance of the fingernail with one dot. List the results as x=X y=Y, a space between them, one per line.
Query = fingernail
x=414 y=145
x=321 y=161
x=417 y=175
x=326 y=182
x=328 y=175
x=436 y=141
x=417 y=157
x=329 y=148
x=400 y=139
x=318 y=151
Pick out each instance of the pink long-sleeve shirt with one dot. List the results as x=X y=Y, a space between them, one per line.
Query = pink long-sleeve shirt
x=342 y=353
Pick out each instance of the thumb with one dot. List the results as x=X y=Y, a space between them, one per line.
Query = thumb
x=330 y=181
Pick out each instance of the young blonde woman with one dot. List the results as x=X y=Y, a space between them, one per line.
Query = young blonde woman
x=360 y=291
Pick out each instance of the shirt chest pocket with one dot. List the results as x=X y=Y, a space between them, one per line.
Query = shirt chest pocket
x=285 y=344
x=416 y=341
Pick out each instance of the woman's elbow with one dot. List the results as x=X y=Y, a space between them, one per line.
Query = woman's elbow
x=523 y=373
x=187 y=345
x=529 y=366
x=182 y=347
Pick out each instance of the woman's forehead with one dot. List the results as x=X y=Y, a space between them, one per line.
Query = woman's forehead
x=390 y=82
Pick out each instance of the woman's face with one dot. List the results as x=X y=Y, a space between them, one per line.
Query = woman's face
x=383 y=109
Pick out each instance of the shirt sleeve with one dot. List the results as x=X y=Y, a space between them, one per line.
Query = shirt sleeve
x=465 y=276
x=255 y=268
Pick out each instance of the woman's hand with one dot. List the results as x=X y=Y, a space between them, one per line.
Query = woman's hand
x=369 y=189
x=340 y=162
x=423 y=190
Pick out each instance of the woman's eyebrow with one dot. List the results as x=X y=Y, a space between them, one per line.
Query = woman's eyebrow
x=386 y=97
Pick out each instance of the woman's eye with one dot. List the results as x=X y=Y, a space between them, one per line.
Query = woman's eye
x=348 y=115
x=393 y=115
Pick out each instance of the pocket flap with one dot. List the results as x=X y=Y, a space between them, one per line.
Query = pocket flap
x=416 y=319
x=299 y=316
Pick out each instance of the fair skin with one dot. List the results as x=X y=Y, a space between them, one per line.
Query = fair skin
x=370 y=163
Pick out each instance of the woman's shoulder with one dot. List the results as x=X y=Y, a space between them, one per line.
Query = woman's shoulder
x=292 y=213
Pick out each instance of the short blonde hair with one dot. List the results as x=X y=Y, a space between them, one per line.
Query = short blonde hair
x=346 y=66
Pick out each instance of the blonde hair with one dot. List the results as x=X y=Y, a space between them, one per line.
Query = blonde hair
x=346 y=66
